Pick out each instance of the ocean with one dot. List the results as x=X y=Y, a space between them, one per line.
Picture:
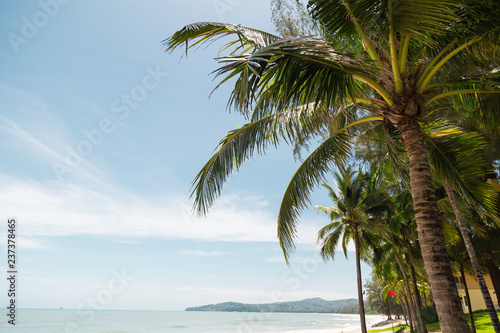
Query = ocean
x=111 y=321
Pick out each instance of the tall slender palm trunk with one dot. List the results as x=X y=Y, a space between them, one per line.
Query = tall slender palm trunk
x=410 y=316
x=405 y=312
x=413 y=315
x=494 y=273
x=360 y=282
x=467 y=297
x=473 y=258
x=418 y=300
x=437 y=265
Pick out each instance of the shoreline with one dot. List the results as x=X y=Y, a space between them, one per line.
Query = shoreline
x=386 y=324
x=370 y=321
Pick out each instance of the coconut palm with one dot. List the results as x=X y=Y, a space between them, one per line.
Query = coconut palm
x=478 y=153
x=387 y=264
x=356 y=201
x=396 y=248
x=457 y=153
x=490 y=252
x=473 y=258
x=394 y=61
x=377 y=298
x=460 y=260
x=403 y=243
x=465 y=151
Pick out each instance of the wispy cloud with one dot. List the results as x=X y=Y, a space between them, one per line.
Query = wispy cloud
x=31 y=129
x=200 y=253
x=10 y=126
x=31 y=114
x=49 y=209
x=88 y=203
x=30 y=243
x=277 y=259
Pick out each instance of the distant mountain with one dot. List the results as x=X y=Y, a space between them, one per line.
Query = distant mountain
x=311 y=305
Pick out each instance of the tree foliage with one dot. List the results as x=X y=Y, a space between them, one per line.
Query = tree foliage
x=397 y=63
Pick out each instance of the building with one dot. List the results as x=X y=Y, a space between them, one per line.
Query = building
x=476 y=298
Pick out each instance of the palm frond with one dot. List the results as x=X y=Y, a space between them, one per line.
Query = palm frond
x=329 y=237
x=291 y=73
x=386 y=139
x=335 y=18
x=329 y=228
x=456 y=155
x=333 y=212
x=478 y=106
x=208 y=32
x=240 y=144
x=417 y=18
x=347 y=237
x=479 y=18
x=309 y=175
x=331 y=193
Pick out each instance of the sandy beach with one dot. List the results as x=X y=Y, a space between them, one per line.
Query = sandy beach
x=370 y=320
x=387 y=326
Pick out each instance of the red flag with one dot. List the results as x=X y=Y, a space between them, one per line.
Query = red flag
x=392 y=293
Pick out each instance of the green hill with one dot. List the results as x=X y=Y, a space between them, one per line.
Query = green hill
x=312 y=305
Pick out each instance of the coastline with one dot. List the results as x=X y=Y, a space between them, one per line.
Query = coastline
x=157 y=321
x=370 y=321
x=385 y=324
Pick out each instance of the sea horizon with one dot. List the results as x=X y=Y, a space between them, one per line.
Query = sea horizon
x=31 y=320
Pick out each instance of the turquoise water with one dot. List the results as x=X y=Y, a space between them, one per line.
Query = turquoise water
x=110 y=321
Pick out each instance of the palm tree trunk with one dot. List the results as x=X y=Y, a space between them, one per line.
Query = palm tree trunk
x=473 y=258
x=389 y=317
x=437 y=265
x=413 y=316
x=494 y=273
x=410 y=317
x=360 y=282
x=401 y=302
x=467 y=297
x=418 y=301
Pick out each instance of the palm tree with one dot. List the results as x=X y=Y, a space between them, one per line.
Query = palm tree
x=490 y=253
x=483 y=152
x=356 y=199
x=403 y=243
x=465 y=151
x=387 y=265
x=394 y=61
x=378 y=298
x=473 y=258
x=459 y=259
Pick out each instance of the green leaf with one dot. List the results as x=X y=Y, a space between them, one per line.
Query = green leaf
x=309 y=175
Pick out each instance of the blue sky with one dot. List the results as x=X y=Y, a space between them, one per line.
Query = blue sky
x=101 y=134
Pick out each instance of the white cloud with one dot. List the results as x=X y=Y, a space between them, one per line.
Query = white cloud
x=278 y=259
x=13 y=128
x=30 y=243
x=52 y=209
x=29 y=117
x=97 y=207
x=29 y=127
x=200 y=253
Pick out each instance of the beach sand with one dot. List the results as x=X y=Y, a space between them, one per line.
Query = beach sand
x=388 y=326
x=370 y=320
